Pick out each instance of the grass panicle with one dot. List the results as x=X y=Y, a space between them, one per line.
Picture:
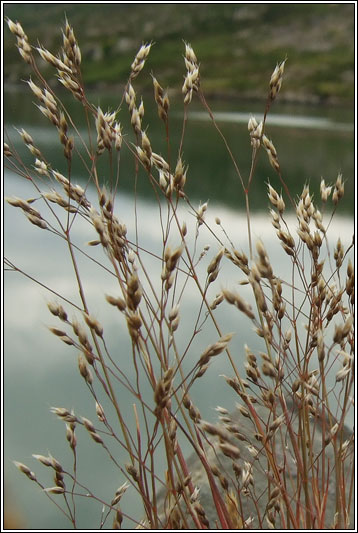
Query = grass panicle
x=280 y=455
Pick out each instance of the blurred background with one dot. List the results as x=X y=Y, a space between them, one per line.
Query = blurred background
x=238 y=46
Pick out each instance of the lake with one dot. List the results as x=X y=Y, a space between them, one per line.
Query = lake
x=311 y=143
x=41 y=372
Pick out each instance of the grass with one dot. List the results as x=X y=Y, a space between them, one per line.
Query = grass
x=298 y=387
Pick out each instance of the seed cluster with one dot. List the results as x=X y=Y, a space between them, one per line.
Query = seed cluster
x=162 y=99
x=192 y=77
x=23 y=45
x=287 y=427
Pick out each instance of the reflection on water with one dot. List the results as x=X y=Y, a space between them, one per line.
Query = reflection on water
x=288 y=121
x=311 y=143
x=42 y=372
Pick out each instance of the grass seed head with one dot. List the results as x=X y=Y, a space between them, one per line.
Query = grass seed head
x=25 y=470
x=276 y=79
x=132 y=471
x=338 y=192
x=100 y=412
x=272 y=153
x=235 y=299
x=255 y=133
x=140 y=59
x=84 y=370
x=230 y=450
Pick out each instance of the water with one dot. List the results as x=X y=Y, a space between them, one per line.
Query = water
x=42 y=372
x=287 y=121
x=311 y=143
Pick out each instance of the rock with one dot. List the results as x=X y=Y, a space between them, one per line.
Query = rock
x=255 y=498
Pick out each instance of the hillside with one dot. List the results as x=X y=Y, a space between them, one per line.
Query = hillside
x=237 y=44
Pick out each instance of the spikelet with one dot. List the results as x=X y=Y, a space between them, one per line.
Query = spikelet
x=139 y=60
x=276 y=199
x=338 y=192
x=213 y=268
x=256 y=131
x=325 y=191
x=192 y=77
x=271 y=152
x=162 y=100
x=276 y=80
x=234 y=298
x=215 y=349
x=25 y=470
x=71 y=50
x=23 y=45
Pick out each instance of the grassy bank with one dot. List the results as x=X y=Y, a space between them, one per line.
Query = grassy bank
x=235 y=43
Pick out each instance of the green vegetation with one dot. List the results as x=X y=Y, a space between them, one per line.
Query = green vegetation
x=235 y=42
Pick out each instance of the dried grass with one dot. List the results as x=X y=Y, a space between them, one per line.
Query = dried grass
x=262 y=466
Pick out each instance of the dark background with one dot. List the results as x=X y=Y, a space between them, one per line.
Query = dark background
x=237 y=44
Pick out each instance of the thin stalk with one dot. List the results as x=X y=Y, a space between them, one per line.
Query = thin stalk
x=248 y=222
x=104 y=367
